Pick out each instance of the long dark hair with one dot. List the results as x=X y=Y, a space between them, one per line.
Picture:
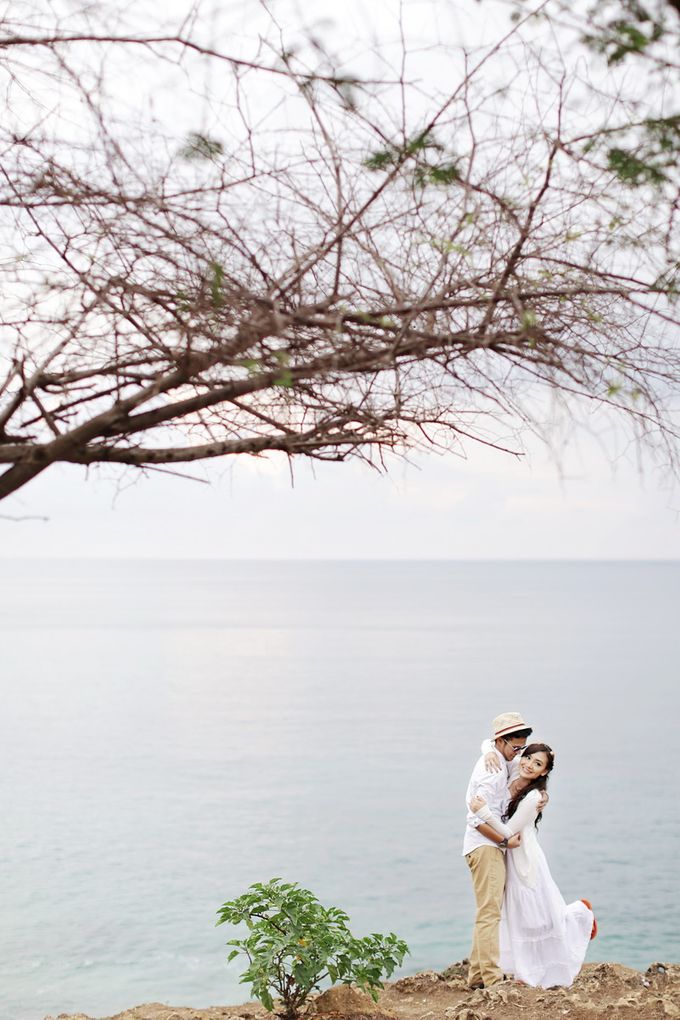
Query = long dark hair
x=541 y=783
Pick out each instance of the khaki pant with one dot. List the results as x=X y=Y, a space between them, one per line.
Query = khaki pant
x=487 y=865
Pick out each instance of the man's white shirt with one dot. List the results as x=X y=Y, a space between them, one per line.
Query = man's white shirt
x=493 y=787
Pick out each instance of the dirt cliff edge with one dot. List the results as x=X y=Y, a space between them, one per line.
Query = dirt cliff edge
x=607 y=991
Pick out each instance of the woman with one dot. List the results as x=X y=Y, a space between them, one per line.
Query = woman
x=543 y=939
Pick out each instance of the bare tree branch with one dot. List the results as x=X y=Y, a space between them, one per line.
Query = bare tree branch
x=317 y=261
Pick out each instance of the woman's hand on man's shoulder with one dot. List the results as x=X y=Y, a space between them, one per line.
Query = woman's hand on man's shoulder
x=492 y=762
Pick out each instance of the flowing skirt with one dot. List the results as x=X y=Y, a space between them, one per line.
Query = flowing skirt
x=543 y=940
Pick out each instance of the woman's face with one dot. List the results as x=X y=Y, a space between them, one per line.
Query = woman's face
x=531 y=766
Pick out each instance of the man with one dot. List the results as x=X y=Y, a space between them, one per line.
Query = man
x=483 y=848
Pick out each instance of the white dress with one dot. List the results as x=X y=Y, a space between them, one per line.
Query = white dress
x=543 y=940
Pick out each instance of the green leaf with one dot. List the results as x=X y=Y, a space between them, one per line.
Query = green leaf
x=446 y=173
x=632 y=170
x=420 y=142
x=285 y=380
x=199 y=146
x=395 y=154
x=216 y=283
x=380 y=160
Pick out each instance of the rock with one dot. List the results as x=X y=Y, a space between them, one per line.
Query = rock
x=498 y=996
x=605 y=974
x=626 y=1002
x=423 y=982
x=458 y=984
x=343 y=1000
x=456 y=970
x=70 y=1016
x=663 y=974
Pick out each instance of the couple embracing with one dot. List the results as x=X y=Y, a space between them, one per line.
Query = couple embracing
x=523 y=927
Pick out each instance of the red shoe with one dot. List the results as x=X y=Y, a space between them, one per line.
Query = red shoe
x=593 y=932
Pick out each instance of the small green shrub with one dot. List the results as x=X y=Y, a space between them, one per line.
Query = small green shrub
x=293 y=943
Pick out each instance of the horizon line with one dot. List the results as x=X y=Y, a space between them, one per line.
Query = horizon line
x=333 y=559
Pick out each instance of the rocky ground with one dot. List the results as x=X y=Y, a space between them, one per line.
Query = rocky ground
x=604 y=990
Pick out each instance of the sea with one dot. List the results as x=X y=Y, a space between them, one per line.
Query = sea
x=173 y=731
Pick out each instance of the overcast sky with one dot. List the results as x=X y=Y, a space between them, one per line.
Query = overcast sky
x=489 y=506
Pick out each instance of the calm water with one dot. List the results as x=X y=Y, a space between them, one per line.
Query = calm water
x=172 y=732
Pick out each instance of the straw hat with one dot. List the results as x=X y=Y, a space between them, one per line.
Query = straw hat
x=508 y=722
